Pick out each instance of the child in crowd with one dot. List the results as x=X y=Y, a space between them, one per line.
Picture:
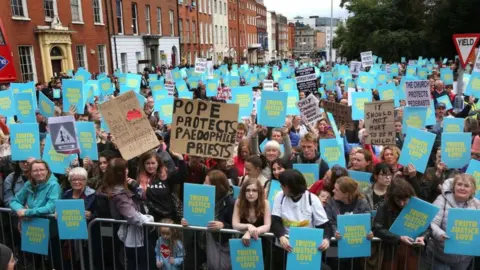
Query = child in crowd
x=324 y=196
x=169 y=248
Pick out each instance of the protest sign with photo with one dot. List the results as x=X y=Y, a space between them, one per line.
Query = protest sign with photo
x=129 y=125
x=342 y=113
x=309 y=109
x=355 y=67
x=379 y=122
x=204 y=129
x=200 y=65
x=306 y=79
x=367 y=59
x=418 y=93
x=64 y=135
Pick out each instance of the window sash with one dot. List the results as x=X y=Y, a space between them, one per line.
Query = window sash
x=80 y=55
x=75 y=6
x=101 y=58
x=18 y=9
x=147 y=19
x=26 y=64
x=97 y=11
x=48 y=6
x=159 y=20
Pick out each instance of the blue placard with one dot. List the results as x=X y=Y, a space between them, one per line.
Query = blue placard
x=365 y=80
x=141 y=100
x=132 y=82
x=305 y=254
x=387 y=92
x=446 y=100
x=24 y=104
x=292 y=100
x=243 y=96
x=7 y=107
x=96 y=91
x=25 y=141
x=422 y=73
x=165 y=109
x=411 y=70
x=156 y=86
x=181 y=86
x=311 y=172
x=473 y=85
x=416 y=149
x=234 y=81
x=273 y=109
x=246 y=258
x=35 y=235
x=236 y=191
x=462 y=231
x=332 y=152
x=415 y=218
x=274 y=189
x=446 y=75
x=431 y=120
x=71 y=219
x=456 y=149
x=354 y=230
x=414 y=117
x=212 y=87
x=45 y=105
x=82 y=75
x=199 y=204
x=185 y=94
x=363 y=178
x=474 y=170
x=57 y=162
x=72 y=94
x=287 y=85
x=358 y=104
x=87 y=140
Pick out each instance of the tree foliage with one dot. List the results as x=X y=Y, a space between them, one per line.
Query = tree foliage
x=410 y=28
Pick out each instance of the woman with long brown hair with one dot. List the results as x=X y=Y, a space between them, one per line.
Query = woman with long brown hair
x=362 y=161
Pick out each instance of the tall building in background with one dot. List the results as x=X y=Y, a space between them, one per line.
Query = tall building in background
x=272 y=53
x=282 y=36
x=221 y=33
x=291 y=39
x=143 y=33
x=251 y=34
x=49 y=37
x=305 y=41
x=196 y=29
x=262 y=35
x=233 y=31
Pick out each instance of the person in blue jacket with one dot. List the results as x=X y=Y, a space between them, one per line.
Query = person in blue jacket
x=169 y=249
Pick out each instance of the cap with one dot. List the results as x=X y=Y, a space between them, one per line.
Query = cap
x=440 y=105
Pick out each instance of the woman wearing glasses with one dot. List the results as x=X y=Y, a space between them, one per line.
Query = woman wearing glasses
x=381 y=179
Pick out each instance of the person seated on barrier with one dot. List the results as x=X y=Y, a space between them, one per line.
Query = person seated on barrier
x=169 y=248
x=78 y=177
x=291 y=207
x=398 y=250
x=457 y=192
x=7 y=260
x=37 y=197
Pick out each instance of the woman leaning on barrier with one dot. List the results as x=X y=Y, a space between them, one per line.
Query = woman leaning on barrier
x=296 y=206
x=457 y=192
x=252 y=215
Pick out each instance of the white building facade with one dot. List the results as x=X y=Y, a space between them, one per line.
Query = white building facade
x=220 y=26
x=272 y=53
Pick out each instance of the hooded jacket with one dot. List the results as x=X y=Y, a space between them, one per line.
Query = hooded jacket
x=335 y=208
x=40 y=199
x=445 y=202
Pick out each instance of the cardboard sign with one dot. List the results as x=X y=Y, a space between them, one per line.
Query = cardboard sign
x=129 y=125
x=268 y=85
x=205 y=129
x=306 y=79
x=64 y=135
x=418 y=93
x=200 y=65
x=379 y=122
x=342 y=113
x=309 y=110
x=355 y=67
x=367 y=59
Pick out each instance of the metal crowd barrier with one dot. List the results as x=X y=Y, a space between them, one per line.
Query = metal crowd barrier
x=106 y=252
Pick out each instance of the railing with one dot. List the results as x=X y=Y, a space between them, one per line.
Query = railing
x=104 y=251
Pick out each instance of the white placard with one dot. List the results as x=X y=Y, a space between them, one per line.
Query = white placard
x=355 y=67
x=367 y=59
x=418 y=93
x=268 y=85
x=200 y=65
x=309 y=109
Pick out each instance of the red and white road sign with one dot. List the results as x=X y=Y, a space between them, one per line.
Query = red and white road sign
x=465 y=44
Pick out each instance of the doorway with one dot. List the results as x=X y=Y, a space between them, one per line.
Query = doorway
x=56 y=56
x=56 y=67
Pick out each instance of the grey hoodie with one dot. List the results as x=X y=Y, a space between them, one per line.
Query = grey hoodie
x=445 y=201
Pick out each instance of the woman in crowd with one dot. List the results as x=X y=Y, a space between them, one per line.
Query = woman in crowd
x=293 y=204
x=252 y=215
x=323 y=130
x=217 y=250
x=126 y=206
x=16 y=180
x=399 y=252
x=328 y=182
x=390 y=155
x=458 y=192
x=244 y=151
x=362 y=161
x=7 y=258
x=434 y=177
x=104 y=157
x=254 y=166
x=381 y=179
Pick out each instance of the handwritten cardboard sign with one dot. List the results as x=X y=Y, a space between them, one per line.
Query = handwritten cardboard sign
x=205 y=129
x=129 y=125
x=379 y=122
x=309 y=110
x=341 y=113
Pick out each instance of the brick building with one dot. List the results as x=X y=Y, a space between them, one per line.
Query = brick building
x=282 y=36
x=143 y=33
x=233 y=32
x=52 y=36
x=291 y=39
x=251 y=31
x=220 y=22
x=262 y=36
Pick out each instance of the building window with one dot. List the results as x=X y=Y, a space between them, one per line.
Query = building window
x=172 y=23
x=19 y=8
x=159 y=20
x=27 y=63
x=119 y=17
x=205 y=6
x=123 y=62
x=49 y=7
x=138 y=56
x=97 y=12
x=80 y=53
x=216 y=34
x=194 y=32
x=180 y=29
x=224 y=8
x=201 y=33
x=187 y=31
x=76 y=6
x=102 y=61
x=209 y=31
x=215 y=6
x=134 y=19
x=147 y=19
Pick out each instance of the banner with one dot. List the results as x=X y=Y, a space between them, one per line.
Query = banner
x=417 y=148
x=246 y=258
x=379 y=122
x=129 y=125
x=199 y=204
x=309 y=110
x=306 y=79
x=71 y=219
x=205 y=129
x=354 y=230
x=342 y=113
x=418 y=93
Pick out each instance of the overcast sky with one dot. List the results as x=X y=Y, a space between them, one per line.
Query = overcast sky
x=305 y=8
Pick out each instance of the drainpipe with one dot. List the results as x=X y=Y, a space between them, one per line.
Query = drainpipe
x=179 y=56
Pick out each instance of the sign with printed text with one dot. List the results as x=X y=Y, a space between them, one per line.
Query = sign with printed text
x=309 y=109
x=465 y=45
x=456 y=149
x=305 y=253
x=414 y=218
x=129 y=125
x=246 y=258
x=64 y=135
x=367 y=59
x=25 y=141
x=342 y=113
x=354 y=230
x=418 y=93
x=35 y=235
x=199 y=204
x=463 y=232
x=87 y=140
x=205 y=129
x=355 y=67
x=268 y=85
x=200 y=65
x=306 y=79
x=379 y=122
x=71 y=219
